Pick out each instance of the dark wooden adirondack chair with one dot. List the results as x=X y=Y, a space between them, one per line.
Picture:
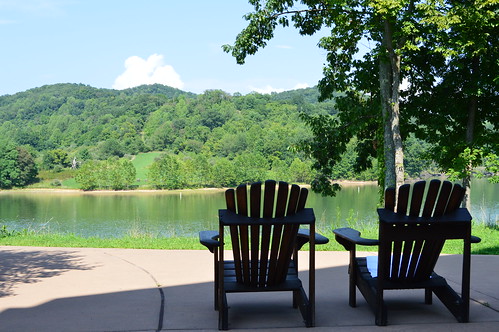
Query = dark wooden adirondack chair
x=265 y=238
x=410 y=241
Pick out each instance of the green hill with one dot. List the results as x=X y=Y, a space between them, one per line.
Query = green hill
x=62 y=123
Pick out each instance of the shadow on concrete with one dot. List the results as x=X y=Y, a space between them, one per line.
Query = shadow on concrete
x=33 y=266
x=190 y=306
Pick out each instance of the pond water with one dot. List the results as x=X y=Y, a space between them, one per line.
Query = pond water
x=185 y=213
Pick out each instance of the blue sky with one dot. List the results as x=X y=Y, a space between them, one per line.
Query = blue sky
x=124 y=43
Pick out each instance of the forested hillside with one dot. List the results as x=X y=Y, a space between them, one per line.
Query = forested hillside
x=71 y=116
x=211 y=139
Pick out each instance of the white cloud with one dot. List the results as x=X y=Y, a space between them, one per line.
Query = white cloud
x=266 y=90
x=301 y=86
x=269 y=89
x=152 y=70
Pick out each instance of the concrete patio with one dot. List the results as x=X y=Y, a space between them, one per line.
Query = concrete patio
x=68 y=289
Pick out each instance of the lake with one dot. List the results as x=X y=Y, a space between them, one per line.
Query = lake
x=185 y=213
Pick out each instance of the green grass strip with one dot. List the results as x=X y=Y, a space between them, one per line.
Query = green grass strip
x=488 y=246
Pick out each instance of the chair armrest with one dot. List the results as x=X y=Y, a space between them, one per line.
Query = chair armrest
x=349 y=237
x=475 y=239
x=209 y=239
x=304 y=236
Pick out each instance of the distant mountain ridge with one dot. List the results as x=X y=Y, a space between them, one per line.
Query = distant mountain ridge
x=77 y=89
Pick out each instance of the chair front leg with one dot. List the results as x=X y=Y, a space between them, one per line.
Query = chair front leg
x=380 y=313
x=216 y=284
x=352 y=272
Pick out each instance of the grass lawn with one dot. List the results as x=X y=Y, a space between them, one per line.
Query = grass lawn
x=56 y=180
x=488 y=246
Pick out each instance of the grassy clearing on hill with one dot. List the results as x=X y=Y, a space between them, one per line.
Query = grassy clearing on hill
x=65 y=179
x=142 y=161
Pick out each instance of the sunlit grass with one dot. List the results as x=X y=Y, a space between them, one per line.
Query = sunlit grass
x=41 y=239
x=143 y=240
x=55 y=179
x=142 y=161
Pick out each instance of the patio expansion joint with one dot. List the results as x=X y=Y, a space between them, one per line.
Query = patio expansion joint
x=156 y=283
x=481 y=302
x=485 y=304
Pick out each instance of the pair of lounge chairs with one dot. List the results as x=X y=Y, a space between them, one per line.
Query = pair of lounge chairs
x=263 y=224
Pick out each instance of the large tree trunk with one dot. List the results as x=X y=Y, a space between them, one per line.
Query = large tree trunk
x=470 y=129
x=388 y=147
x=395 y=123
x=389 y=80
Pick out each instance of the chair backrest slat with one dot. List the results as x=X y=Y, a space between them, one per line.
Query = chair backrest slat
x=430 y=253
x=455 y=199
x=282 y=199
x=230 y=200
x=265 y=250
x=262 y=253
x=403 y=198
x=274 y=252
x=243 y=246
x=255 y=244
x=416 y=253
x=443 y=198
x=302 y=200
x=294 y=197
x=431 y=198
x=417 y=198
x=396 y=254
x=390 y=199
x=406 y=259
x=255 y=200
x=242 y=200
x=268 y=198
x=285 y=253
x=255 y=208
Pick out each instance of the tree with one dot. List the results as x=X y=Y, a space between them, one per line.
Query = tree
x=56 y=158
x=116 y=174
x=110 y=148
x=27 y=169
x=197 y=170
x=87 y=175
x=300 y=171
x=417 y=157
x=370 y=85
x=453 y=99
x=350 y=22
x=250 y=167
x=280 y=171
x=17 y=166
x=223 y=173
x=166 y=173
x=119 y=173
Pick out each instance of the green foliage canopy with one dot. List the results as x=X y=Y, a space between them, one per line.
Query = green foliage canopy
x=17 y=166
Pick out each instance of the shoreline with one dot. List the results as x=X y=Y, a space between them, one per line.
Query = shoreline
x=345 y=183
